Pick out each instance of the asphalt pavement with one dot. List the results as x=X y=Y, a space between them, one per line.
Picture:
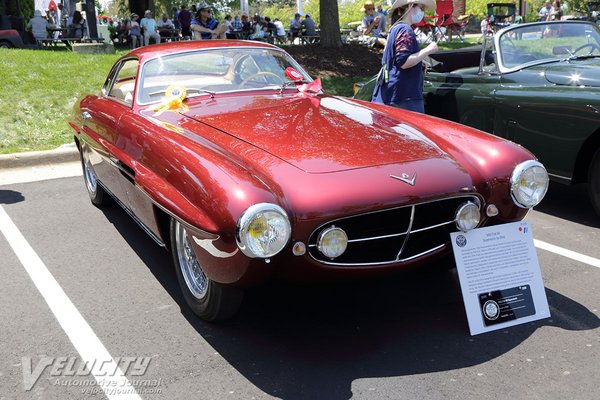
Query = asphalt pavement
x=404 y=337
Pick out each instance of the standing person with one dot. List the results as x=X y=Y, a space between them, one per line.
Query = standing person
x=38 y=26
x=555 y=13
x=545 y=11
x=176 y=23
x=185 y=20
x=148 y=24
x=400 y=83
x=204 y=26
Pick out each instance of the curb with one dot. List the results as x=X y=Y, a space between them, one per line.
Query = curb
x=63 y=154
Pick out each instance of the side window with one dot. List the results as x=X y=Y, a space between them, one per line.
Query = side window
x=124 y=81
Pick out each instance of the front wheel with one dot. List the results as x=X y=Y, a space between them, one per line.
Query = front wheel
x=594 y=181
x=97 y=194
x=209 y=300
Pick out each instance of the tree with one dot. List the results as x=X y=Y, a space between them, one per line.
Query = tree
x=330 y=24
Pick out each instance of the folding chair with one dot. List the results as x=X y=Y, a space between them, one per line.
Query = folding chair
x=424 y=30
x=444 y=23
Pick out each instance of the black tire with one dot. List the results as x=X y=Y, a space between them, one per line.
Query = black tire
x=5 y=45
x=97 y=194
x=209 y=300
x=594 y=181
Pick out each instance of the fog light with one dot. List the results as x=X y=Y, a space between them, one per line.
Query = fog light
x=332 y=242
x=467 y=216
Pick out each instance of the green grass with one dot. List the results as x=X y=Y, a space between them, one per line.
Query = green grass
x=38 y=91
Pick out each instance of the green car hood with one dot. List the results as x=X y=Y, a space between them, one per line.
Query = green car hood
x=575 y=73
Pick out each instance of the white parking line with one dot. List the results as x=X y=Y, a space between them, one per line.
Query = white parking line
x=594 y=262
x=82 y=336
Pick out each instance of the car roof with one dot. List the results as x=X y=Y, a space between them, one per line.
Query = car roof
x=162 y=49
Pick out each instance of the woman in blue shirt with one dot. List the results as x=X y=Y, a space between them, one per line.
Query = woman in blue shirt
x=400 y=84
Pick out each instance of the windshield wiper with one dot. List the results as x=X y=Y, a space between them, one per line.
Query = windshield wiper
x=200 y=92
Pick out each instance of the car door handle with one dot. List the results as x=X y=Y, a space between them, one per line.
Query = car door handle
x=86 y=115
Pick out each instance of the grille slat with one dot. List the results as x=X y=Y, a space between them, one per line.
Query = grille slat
x=393 y=235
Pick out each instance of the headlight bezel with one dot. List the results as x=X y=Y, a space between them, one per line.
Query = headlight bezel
x=328 y=231
x=248 y=217
x=459 y=222
x=516 y=188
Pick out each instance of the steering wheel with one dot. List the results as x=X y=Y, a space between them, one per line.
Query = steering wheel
x=265 y=73
x=592 y=46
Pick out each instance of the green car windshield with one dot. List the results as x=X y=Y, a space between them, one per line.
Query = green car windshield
x=548 y=42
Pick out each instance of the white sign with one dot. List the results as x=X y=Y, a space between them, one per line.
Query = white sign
x=500 y=277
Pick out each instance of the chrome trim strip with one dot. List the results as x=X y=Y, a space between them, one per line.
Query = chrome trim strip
x=431 y=227
x=370 y=264
x=410 y=224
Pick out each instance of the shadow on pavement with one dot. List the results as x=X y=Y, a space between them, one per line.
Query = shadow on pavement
x=571 y=203
x=10 y=197
x=312 y=341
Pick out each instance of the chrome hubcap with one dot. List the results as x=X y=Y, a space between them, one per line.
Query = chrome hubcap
x=192 y=273
x=90 y=177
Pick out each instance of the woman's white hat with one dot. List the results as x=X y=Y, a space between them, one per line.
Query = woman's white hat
x=429 y=4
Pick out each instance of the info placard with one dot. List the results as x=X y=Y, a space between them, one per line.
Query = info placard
x=500 y=277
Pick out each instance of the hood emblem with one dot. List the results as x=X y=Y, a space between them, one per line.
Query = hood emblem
x=405 y=178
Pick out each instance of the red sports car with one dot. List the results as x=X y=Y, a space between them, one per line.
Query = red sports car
x=228 y=153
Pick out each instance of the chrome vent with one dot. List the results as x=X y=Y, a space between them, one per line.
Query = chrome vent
x=393 y=235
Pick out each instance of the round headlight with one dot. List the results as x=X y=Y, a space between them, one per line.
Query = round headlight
x=263 y=230
x=528 y=184
x=467 y=216
x=332 y=242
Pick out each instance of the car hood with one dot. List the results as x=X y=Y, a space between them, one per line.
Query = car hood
x=575 y=73
x=304 y=130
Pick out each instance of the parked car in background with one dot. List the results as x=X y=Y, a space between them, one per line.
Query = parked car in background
x=536 y=84
x=10 y=38
x=228 y=153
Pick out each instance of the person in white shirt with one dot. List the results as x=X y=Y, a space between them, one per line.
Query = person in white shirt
x=165 y=22
x=148 y=24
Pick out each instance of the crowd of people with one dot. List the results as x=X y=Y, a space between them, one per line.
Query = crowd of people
x=74 y=25
x=198 y=23
x=183 y=23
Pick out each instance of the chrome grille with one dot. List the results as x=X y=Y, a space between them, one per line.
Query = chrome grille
x=393 y=235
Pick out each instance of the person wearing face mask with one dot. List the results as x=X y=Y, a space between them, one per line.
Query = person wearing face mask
x=400 y=82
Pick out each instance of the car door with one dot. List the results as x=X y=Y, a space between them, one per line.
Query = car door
x=464 y=96
x=101 y=115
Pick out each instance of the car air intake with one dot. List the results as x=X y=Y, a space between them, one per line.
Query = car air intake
x=395 y=235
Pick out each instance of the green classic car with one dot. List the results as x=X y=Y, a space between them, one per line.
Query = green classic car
x=537 y=84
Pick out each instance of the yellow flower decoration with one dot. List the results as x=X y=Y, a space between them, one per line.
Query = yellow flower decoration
x=173 y=100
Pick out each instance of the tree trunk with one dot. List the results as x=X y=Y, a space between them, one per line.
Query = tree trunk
x=330 y=24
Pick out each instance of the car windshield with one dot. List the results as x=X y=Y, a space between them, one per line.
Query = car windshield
x=548 y=42
x=211 y=71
